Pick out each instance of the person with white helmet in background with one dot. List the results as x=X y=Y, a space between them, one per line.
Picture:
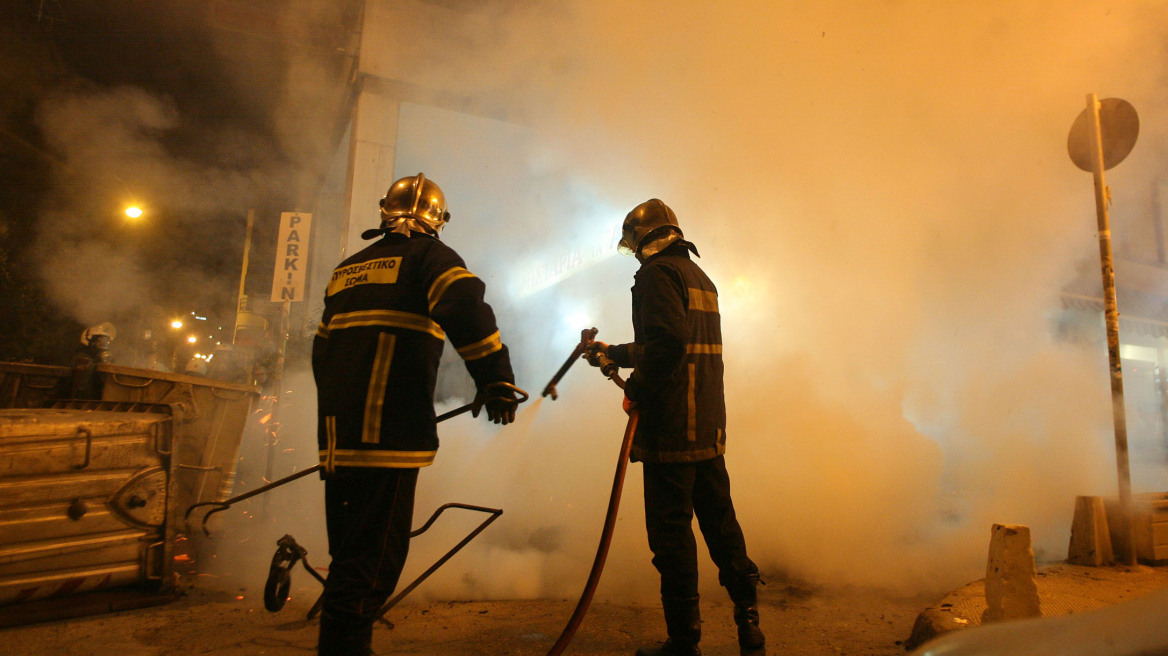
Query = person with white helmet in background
x=94 y=350
x=387 y=312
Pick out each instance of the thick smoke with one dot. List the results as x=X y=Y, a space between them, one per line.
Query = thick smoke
x=883 y=195
x=251 y=130
x=881 y=192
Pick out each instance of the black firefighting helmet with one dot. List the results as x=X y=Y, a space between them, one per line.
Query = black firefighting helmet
x=648 y=229
x=417 y=201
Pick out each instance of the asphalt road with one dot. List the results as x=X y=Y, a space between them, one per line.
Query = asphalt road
x=798 y=621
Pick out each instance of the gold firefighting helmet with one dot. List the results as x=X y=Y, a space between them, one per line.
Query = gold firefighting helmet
x=648 y=229
x=414 y=200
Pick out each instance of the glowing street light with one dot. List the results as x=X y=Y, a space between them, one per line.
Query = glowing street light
x=134 y=212
x=176 y=324
x=192 y=339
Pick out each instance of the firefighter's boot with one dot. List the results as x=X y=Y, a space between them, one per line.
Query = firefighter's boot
x=744 y=594
x=683 y=622
x=344 y=638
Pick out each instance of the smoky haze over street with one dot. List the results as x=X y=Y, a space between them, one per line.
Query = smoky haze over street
x=881 y=192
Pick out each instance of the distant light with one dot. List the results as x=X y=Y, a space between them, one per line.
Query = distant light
x=199 y=318
x=578 y=319
x=133 y=211
x=176 y=324
x=192 y=339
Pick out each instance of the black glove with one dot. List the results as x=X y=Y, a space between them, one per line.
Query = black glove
x=501 y=411
x=593 y=351
x=500 y=402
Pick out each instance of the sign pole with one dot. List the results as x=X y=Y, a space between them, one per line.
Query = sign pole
x=1111 y=310
x=288 y=283
x=239 y=302
x=273 y=429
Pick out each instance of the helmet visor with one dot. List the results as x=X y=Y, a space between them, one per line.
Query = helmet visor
x=625 y=248
x=629 y=239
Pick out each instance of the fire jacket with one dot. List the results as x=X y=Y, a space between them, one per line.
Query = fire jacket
x=387 y=312
x=677 y=361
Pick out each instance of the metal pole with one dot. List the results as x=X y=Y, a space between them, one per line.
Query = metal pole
x=1111 y=310
x=243 y=271
x=273 y=432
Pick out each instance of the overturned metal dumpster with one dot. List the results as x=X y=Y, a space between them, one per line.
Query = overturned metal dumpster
x=31 y=385
x=92 y=491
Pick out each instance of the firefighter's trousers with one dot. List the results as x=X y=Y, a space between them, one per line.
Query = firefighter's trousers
x=674 y=493
x=368 y=514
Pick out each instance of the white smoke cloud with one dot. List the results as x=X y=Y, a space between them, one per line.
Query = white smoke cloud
x=882 y=194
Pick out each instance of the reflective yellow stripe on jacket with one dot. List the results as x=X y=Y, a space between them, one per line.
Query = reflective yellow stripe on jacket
x=375 y=395
x=386 y=318
x=442 y=282
x=375 y=458
x=481 y=348
x=703 y=301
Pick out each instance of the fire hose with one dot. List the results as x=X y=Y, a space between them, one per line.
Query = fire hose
x=609 y=369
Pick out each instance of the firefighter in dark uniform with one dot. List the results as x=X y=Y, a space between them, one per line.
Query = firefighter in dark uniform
x=676 y=386
x=388 y=310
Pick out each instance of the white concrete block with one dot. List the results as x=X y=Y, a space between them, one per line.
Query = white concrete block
x=1011 y=591
x=1090 y=538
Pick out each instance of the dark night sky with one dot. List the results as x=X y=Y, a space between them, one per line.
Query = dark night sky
x=171 y=103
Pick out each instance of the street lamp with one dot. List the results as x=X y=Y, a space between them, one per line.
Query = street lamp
x=134 y=212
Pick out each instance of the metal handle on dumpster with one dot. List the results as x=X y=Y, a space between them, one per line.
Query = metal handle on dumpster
x=201 y=468
x=175 y=420
x=155 y=562
x=217 y=393
x=117 y=379
x=81 y=430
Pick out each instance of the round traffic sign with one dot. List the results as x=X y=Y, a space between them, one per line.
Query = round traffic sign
x=1119 y=126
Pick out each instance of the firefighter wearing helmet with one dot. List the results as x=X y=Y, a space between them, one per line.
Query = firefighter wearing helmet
x=94 y=350
x=676 y=386
x=412 y=204
x=387 y=312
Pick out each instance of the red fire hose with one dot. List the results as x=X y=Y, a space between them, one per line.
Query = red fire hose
x=610 y=370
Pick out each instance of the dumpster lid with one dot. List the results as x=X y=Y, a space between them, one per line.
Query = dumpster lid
x=151 y=374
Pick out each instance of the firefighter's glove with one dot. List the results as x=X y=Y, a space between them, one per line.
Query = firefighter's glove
x=628 y=406
x=594 y=351
x=500 y=402
x=501 y=411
